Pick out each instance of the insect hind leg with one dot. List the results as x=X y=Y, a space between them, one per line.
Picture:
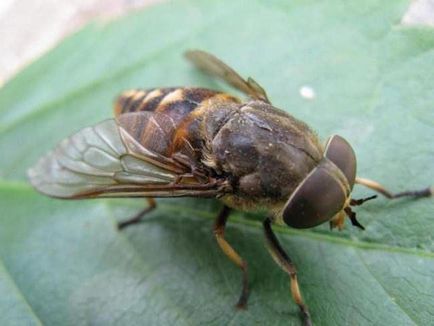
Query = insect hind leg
x=138 y=217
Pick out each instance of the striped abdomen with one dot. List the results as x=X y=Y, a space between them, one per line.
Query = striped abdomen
x=173 y=101
x=177 y=119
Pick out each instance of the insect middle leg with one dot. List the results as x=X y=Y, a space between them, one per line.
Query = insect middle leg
x=426 y=192
x=138 y=217
x=219 y=232
x=282 y=259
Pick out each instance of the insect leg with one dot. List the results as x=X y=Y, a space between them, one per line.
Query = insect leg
x=137 y=218
x=282 y=259
x=427 y=192
x=219 y=232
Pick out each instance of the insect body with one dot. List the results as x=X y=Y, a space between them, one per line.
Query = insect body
x=197 y=142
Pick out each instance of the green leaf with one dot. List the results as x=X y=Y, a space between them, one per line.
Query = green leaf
x=64 y=262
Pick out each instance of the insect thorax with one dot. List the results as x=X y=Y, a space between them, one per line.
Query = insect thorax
x=265 y=152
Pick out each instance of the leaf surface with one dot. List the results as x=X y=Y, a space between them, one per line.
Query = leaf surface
x=65 y=263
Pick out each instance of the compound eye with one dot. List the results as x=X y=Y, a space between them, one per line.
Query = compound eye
x=340 y=152
x=319 y=197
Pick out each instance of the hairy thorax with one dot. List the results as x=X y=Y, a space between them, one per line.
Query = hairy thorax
x=265 y=152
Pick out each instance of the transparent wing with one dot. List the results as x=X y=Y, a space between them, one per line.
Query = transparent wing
x=217 y=68
x=107 y=160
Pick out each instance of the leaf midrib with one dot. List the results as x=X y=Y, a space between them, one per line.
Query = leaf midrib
x=238 y=221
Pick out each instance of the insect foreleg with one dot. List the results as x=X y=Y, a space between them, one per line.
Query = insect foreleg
x=282 y=259
x=137 y=218
x=219 y=232
x=426 y=192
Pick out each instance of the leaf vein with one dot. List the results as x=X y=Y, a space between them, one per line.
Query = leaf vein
x=362 y=260
x=20 y=293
